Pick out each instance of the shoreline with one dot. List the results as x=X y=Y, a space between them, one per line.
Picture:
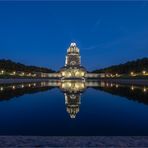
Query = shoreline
x=128 y=81
x=119 y=81
x=73 y=141
x=11 y=81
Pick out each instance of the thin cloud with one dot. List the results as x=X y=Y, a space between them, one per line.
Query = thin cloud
x=96 y=25
x=91 y=47
x=102 y=46
x=120 y=41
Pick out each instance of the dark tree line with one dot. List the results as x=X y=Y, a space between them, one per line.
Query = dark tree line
x=9 y=65
x=136 y=66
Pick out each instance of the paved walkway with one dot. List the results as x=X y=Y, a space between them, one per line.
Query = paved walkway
x=92 y=141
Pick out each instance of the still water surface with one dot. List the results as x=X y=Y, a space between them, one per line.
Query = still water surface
x=73 y=108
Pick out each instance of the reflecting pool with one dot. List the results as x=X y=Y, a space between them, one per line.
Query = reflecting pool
x=73 y=108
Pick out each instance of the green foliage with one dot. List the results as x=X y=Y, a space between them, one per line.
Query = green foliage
x=136 y=66
x=10 y=66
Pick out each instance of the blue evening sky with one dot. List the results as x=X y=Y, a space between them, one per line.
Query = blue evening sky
x=107 y=33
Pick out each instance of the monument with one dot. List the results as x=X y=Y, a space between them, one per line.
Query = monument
x=73 y=68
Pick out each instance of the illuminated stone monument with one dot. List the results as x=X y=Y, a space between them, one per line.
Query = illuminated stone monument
x=73 y=58
x=73 y=68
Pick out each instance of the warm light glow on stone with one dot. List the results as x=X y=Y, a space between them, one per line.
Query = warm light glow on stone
x=63 y=73
x=72 y=86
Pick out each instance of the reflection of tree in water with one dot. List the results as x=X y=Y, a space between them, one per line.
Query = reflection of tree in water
x=72 y=91
x=136 y=94
x=9 y=92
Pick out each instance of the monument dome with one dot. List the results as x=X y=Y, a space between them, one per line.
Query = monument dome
x=73 y=48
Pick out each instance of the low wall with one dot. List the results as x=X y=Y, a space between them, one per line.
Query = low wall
x=9 y=81
x=128 y=81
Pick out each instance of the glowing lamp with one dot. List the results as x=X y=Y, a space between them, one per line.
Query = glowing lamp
x=144 y=89
x=144 y=72
x=2 y=71
x=132 y=73
x=132 y=87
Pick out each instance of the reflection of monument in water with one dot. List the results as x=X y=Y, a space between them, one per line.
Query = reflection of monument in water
x=72 y=102
x=72 y=91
